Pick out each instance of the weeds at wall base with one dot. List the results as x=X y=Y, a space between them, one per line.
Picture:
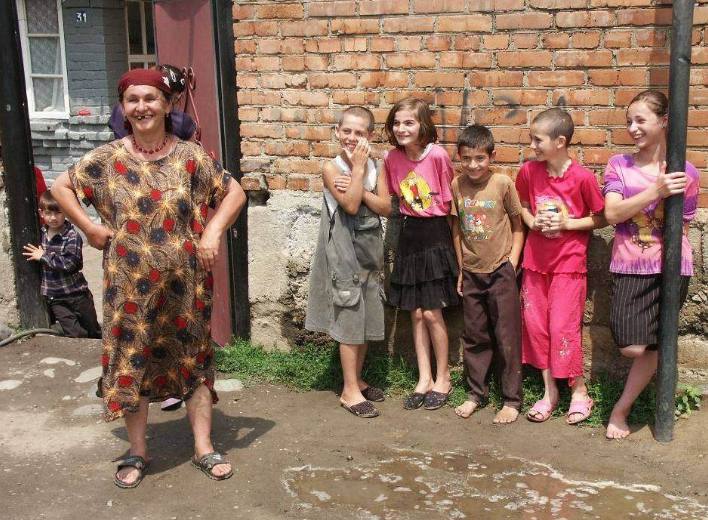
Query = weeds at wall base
x=317 y=368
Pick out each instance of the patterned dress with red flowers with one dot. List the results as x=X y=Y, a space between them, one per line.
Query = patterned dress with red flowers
x=156 y=299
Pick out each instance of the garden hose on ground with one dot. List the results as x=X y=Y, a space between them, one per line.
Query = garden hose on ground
x=30 y=332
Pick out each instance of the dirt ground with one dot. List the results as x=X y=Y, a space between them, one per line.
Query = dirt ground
x=299 y=455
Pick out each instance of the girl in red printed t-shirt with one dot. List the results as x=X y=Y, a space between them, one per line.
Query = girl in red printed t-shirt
x=561 y=202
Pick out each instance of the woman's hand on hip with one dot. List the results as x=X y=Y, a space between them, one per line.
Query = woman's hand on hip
x=99 y=235
x=208 y=248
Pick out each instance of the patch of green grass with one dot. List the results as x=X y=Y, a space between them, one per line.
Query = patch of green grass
x=312 y=367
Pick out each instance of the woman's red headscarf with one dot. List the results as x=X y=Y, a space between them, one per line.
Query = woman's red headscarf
x=150 y=77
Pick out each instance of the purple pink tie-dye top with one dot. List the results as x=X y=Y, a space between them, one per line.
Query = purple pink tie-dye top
x=637 y=245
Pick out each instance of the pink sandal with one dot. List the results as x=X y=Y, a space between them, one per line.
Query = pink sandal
x=541 y=411
x=584 y=408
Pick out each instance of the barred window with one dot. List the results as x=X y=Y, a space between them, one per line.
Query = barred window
x=141 y=34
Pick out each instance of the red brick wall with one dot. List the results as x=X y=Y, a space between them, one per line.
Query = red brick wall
x=495 y=62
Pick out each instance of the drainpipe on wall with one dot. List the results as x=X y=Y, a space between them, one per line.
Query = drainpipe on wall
x=237 y=236
x=19 y=178
x=679 y=70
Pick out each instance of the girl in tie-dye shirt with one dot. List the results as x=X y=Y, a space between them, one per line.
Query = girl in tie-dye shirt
x=635 y=188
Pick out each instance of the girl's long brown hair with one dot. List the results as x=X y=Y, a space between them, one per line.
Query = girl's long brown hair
x=423 y=115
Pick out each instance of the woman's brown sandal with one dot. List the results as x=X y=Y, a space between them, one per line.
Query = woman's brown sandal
x=206 y=463
x=133 y=461
x=365 y=409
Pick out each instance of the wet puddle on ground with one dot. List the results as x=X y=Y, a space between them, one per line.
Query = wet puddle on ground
x=413 y=485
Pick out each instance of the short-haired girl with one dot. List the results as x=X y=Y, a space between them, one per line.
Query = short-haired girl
x=424 y=274
x=635 y=187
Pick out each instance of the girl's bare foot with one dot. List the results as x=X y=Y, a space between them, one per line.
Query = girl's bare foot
x=423 y=387
x=466 y=409
x=617 y=427
x=506 y=415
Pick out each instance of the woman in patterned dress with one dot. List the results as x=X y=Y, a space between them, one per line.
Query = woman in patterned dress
x=152 y=192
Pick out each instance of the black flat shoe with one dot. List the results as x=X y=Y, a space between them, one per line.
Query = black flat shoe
x=373 y=394
x=413 y=401
x=434 y=400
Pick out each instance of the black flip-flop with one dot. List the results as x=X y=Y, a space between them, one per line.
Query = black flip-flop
x=207 y=462
x=413 y=401
x=434 y=400
x=133 y=461
x=365 y=409
x=371 y=393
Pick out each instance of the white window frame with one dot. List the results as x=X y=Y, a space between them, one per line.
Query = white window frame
x=145 y=59
x=27 y=64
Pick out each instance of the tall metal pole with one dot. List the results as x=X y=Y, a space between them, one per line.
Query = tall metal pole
x=237 y=236
x=679 y=69
x=19 y=176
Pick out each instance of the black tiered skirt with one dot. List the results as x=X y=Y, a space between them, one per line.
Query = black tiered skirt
x=424 y=268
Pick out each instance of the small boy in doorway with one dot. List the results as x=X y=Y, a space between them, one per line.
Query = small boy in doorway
x=488 y=235
x=63 y=285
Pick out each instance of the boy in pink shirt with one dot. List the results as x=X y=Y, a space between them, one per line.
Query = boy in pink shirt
x=561 y=202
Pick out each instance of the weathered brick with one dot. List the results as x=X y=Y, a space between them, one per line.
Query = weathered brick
x=298 y=183
x=495 y=41
x=309 y=133
x=557 y=4
x=423 y=60
x=618 y=39
x=499 y=116
x=356 y=62
x=293 y=63
x=323 y=45
x=574 y=59
x=524 y=59
x=585 y=40
x=525 y=40
x=555 y=40
x=305 y=28
x=358 y=44
x=467 y=42
x=651 y=38
x=556 y=78
x=408 y=24
x=302 y=166
x=248 y=113
x=394 y=96
x=261 y=130
x=279 y=10
x=465 y=60
x=514 y=98
x=644 y=17
x=526 y=20
x=581 y=97
x=287 y=148
x=495 y=78
x=642 y=57
x=409 y=43
x=383 y=79
x=614 y=77
x=511 y=134
x=495 y=6
x=589 y=136
x=369 y=7
x=331 y=8
x=355 y=26
x=314 y=62
x=382 y=44
x=438 y=6
x=574 y=19
x=465 y=23
x=276 y=182
x=332 y=80
x=306 y=98
x=438 y=43
x=607 y=117
x=624 y=96
x=439 y=79
x=354 y=97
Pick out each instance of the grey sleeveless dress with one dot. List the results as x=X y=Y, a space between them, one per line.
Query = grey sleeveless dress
x=345 y=297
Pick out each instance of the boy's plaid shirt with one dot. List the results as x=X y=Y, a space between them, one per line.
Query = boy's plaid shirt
x=62 y=262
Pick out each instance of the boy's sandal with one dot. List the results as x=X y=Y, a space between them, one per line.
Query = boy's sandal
x=207 y=462
x=371 y=393
x=581 y=410
x=434 y=400
x=133 y=461
x=541 y=411
x=413 y=401
x=365 y=409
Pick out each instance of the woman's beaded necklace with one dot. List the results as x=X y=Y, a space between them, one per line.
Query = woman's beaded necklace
x=145 y=150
